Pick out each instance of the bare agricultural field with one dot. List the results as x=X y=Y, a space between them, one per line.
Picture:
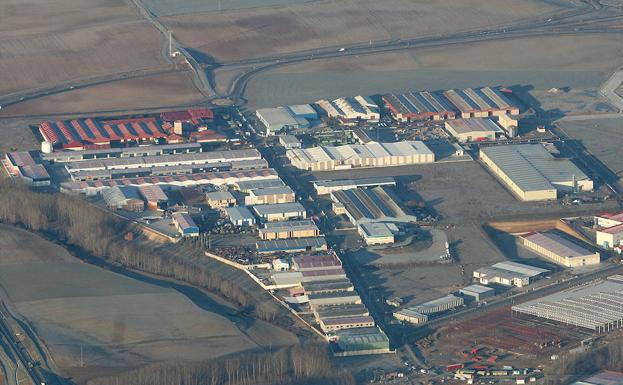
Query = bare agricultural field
x=254 y=32
x=42 y=45
x=114 y=319
x=176 y=7
x=602 y=137
x=552 y=61
x=167 y=89
x=16 y=135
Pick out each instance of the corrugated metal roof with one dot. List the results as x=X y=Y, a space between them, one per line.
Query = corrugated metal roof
x=532 y=167
x=557 y=244
x=239 y=213
x=306 y=224
x=278 y=208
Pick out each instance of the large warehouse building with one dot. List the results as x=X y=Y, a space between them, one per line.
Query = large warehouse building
x=351 y=110
x=532 y=173
x=373 y=154
x=481 y=102
x=508 y=274
x=279 y=118
x=473 y=130
x=560 y=250
x=375 y=204
x=597 y=306
x=422 y=105
x=328 y=186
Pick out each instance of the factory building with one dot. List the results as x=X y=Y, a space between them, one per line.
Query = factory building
x=154 y=196
x=240 y=216
x=333 y=324
x=296 y=278
x=185 y=225
x=510 y=124
x=250 y=185
x=531 y=173
x=218 y=199
x=278 y=119
x=334 y=298
x=609 y=230
x=125 y=152
x=597 y=306
x=123 y=198
x=376 y=204
x=303 y=111
x=473 y=129
x=316 y=262
x=439 y=305
x=328 y=286
x=508 y=274
x=289 y=229
x=280 y=212
x=187 y=180
x=477 y=292
x=351 y=110
x=193 y=116
x=377 y=233
x=79 y=134
x=289 y=142
x=411 y=316
x=373 y=154
x=21 y=164
x=560 y=250
x=212 y=158
x=419 y=106
x=361 y=341
x=294 y=245
x=337 y=311
x=323 y=187
x=480 y=102
x=269 y=196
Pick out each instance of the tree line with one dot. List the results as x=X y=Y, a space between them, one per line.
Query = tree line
x=76 y=223
x=300 y=365
x=571 y=366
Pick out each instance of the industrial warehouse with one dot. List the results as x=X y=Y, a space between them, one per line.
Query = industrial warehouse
x=467 y=103
x=532 y=173
x=286 y=118
x=364 y=205
x=609 y=230
x=81 y=134
x=323 y=187
x=594 y=306
x=290 y=229
x=559 y=250
x=508 y=274
x=419 y=314
x=215 y=178
x=474 y=129
x=22 y=164
x=373 y=154
x=351 y=110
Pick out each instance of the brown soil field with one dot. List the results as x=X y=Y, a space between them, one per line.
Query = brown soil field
x=169 y=89
x=42 y=45
x=16 y=135
x=580 y=62
x=253 y=32
x=115 y=321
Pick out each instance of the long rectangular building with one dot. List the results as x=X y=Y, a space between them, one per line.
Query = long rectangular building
x=294 y=245
x=560 y=250
x=596 y=306
x=323 y=187
x=373 y=154
x=532 y=173
x=350 y=110
x=187 y=180
x=123 y=152
x=481 y=102
x=79 y=134
x=508 y=274
x=289 y=229
x=473 y=129
x=421 y=105
x=371 y=205
x=280 y=211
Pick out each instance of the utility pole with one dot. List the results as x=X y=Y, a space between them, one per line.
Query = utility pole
x=170 y=44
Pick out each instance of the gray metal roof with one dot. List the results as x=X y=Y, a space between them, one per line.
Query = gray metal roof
x=378 y=181
x=291 y=244
x=277 y=118
x=557 y=244
x=257 y=184
x=278 y=208
x=238 y=213
x=479 y=289
x=306 y=224
x=219 y=195
x=532 y=167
